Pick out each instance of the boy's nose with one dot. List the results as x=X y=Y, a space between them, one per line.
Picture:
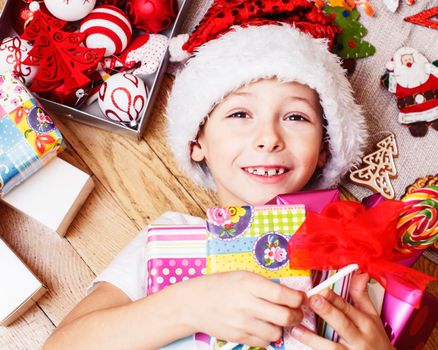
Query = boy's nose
x=269 y=140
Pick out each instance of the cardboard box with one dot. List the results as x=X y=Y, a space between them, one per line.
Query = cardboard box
x=92 y=115
x=20 y=288
x=53 y=195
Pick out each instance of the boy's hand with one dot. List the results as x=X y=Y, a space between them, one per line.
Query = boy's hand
x=358 y=326
x=240 y=307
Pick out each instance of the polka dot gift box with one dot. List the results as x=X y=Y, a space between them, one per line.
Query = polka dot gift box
x=255 y=239
x=28 y=137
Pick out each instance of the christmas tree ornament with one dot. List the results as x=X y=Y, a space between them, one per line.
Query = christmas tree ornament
x=152 y=16
x=146 y=51
x=58 y=54
x=349 y=43
x=13 y=53
x=392 y=5
x=122 y=98
x=414 y=81
x=70 y=10
x=424 y=18
x=107 y=27
x=379 y=168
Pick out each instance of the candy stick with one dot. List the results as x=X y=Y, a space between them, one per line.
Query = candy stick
x=315 y=290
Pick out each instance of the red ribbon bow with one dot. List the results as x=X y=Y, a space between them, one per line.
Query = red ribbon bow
x=346 y=233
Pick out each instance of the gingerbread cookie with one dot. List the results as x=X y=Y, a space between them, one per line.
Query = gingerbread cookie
x=379 y=168
x=428 y=180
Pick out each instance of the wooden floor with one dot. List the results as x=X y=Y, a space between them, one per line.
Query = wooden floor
x=135 y=182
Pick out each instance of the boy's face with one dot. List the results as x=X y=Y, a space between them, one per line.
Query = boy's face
x=262 y=140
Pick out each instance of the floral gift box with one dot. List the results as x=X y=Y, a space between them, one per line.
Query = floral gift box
x=255 y=239
x=28 y=136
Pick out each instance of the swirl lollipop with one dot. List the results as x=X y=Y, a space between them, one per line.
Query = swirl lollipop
x=418 y=223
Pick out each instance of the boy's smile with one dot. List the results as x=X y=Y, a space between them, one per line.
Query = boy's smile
x=262 y=140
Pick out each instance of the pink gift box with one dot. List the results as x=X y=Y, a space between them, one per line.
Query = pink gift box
x=174 y=253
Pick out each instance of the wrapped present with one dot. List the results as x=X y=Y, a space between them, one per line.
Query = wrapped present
x=316 y=201
x=255 y=239
x=175 y=253
x=28 y=137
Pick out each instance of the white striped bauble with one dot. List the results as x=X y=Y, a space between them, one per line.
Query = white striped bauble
x=107 y=27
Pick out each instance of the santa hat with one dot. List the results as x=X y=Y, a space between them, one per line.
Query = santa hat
x=239 y=42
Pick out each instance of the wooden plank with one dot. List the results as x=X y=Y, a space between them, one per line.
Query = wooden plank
x=51 y=258
x=28 y=332
x=139 y=182
x=155 y=136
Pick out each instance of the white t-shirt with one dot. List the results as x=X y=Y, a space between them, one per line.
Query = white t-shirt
x=128 y=269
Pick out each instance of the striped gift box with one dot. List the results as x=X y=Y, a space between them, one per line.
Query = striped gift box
x=174 y=253
x=255 y=239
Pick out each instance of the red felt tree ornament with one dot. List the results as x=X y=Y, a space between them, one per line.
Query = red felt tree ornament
x=58 y=54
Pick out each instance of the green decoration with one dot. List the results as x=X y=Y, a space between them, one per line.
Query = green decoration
x=349 y=43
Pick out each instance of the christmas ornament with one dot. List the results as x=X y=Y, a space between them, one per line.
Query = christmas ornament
x=414 y=81
x=392 y=5
x=21 y=14
x=428 y=180
x=117 y=3
x=349 y=43
x=70 y=10
x=424 y=18
x=349 y=5
x=13 y=51
x=58 y=54
x=107 y=27
x=379 y=168
x=122 y=98
x=410 y=2
x=418 y=222
x=152 y=16
x=148 y=51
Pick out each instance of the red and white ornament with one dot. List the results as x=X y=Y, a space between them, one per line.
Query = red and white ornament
x=152 y=16
x=13 y=51
x=122 y=98
x=70 y=10
x=107 y=27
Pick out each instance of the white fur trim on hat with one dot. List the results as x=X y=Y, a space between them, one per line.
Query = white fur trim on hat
x=244 y=55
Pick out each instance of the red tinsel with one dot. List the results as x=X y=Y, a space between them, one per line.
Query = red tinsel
x=346 y=233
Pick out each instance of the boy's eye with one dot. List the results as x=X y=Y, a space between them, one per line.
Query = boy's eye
x=295 y=117
x=238 y=115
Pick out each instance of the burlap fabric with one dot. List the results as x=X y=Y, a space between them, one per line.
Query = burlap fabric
x=387 y=32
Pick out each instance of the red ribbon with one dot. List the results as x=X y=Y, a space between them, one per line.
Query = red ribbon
x=346 y=233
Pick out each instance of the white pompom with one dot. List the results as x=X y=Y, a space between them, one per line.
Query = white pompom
x=34 y=6
x=177 y=54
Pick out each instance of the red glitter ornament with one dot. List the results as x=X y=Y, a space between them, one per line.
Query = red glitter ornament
x=152 y=16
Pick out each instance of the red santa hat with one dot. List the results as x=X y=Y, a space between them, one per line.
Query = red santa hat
x=238 y=42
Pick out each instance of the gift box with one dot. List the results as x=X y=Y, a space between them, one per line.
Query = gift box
x=255 y=239
x=91 y=114
x=175 y=253
x=52 y=196
x=20 y=289
x=28 y=137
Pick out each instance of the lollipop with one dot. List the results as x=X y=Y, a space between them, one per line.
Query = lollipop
x=418 y=223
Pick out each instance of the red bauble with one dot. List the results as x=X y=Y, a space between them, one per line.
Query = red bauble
x=117 y=3
x=152 y=16
x=21 y=15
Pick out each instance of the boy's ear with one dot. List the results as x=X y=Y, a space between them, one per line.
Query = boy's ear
x=323 y=154
x=196 y=152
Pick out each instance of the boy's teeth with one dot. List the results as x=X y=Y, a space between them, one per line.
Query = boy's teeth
x=265 y=172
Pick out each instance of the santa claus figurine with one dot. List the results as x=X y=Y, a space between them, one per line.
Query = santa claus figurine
x=414 y=81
